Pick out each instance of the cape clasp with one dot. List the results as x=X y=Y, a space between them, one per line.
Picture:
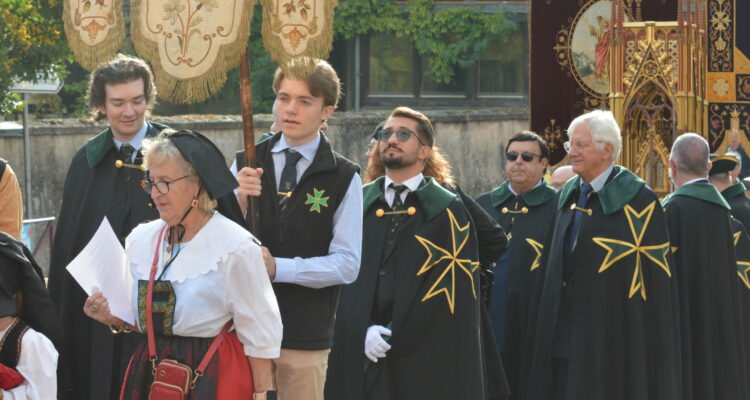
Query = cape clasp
x=380 y=212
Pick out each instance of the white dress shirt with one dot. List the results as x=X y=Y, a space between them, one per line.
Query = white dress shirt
x=38 y=366
x=135 y=141
x=341 y=264
x=598 y=183
x=412 y=184
x=219 y=275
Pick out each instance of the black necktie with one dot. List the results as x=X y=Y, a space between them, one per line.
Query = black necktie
x=583 y=197
x=397 y=202
x=125 y=154
x=288 y=175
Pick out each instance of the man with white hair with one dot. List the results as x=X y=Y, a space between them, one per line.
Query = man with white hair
x=605 y=325
x=705 y=271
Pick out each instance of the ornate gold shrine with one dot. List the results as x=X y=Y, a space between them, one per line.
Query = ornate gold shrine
x=657 y=88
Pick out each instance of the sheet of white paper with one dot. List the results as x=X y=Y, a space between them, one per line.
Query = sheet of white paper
x=102 y=265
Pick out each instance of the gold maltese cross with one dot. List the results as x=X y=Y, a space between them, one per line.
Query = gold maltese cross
x=619 y=249
x=438 y=256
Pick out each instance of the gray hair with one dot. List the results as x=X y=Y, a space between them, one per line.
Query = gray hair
x=603 y=128
x=720 y=177
x=160 y=149
x=690 y=154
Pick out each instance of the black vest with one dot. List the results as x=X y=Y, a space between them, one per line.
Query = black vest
x=10 y=346
x=304 y=229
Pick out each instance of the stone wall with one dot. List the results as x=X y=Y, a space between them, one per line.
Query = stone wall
x=473 y=140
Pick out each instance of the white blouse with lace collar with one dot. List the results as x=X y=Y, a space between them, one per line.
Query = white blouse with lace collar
x=219 y=275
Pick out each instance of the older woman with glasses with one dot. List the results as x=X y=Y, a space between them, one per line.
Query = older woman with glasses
x=197 y=275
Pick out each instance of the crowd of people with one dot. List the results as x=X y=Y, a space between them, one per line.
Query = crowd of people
x=383 y=283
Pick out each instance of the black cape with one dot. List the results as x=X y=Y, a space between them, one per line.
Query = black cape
x=20 y=274
x=620 y=300
x=740 y=204
x=705 y=269
x=437 y=350
x=526 y=221
x=742 y=251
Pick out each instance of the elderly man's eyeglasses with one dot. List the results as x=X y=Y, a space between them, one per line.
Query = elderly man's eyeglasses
x=526 y=156
x=402 y=135
x=161 y=186
x=570 y=146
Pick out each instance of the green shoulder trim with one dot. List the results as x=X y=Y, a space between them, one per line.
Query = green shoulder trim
x=499 y=194
x=539 y=195
x=534 y=197
x=371 y=192
x=264 y=137
x=701 y=191
x=159 y=127
x=620 y=190
x=434 y=198
x=614 y=195
x=98 y=146
x=567 y=190
x=734 y=191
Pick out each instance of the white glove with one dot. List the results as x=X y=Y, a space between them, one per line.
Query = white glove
x=375 y=345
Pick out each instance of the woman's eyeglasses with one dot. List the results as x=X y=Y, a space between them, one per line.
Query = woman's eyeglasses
x=402 y=135
x=526 y=156
x=161 y=186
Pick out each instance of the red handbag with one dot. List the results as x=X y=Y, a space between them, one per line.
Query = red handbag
x=172 y=379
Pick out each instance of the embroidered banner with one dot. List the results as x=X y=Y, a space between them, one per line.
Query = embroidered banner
x=728 y=79
x=298 y=28
x=95 y=29
x=191 y=44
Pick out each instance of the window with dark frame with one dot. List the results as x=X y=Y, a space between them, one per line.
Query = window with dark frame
x=393 y=70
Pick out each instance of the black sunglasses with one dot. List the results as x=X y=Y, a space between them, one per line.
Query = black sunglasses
x=402 y=135
x=526 y=156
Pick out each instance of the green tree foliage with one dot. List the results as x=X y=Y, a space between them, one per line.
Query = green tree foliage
x=31 y=43
x=450 y=37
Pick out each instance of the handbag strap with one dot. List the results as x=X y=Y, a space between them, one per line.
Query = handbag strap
x=214 y=346
x=150 y=298
x=150 y=320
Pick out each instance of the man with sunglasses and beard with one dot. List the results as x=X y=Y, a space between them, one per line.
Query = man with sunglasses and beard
x=524 y=206
x=410 y=327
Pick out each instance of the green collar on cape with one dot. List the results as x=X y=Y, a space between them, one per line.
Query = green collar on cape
x=614 y=195
x=534 y=197
x=734 y=191
x=100 y=144
x=698 y=190
x=432 y=197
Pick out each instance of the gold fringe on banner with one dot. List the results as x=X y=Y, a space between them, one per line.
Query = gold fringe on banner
x=94 y=30
x=190 y=77
x=295 y=32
